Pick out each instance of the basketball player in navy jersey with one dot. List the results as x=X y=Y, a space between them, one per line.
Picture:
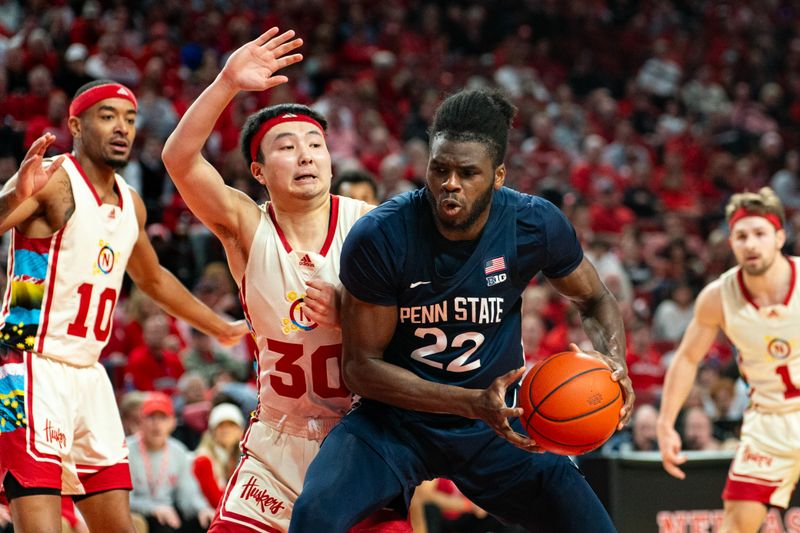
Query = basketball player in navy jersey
x=433 y=282
x=77 y=228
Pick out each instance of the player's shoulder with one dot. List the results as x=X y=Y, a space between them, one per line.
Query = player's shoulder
x=403 y=207
x=708 y=305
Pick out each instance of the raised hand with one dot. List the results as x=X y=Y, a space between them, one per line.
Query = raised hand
x=252 y=67
x=32 y=175
x=491 y=408
x=620 y=374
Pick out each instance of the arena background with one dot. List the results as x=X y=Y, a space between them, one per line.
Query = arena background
x=638 y=118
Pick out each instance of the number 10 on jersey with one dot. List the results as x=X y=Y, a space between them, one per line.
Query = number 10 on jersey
x=105 y=304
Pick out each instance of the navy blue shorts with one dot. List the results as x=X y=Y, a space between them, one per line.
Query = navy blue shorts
x=377 y=453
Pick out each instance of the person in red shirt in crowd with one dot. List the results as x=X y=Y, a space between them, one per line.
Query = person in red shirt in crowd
x=644 y=364
x=155 y=366
x=34 y=102
x=592 y=170
x=55 y=122
x=608 y=215
x=676 y=188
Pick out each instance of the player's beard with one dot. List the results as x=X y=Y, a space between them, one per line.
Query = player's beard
x=480 y=205
x=115 y=163
x=759 y=269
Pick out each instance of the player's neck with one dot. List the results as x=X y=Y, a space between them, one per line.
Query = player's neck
x=772 y=286
x=100 y=174
x=305 y=225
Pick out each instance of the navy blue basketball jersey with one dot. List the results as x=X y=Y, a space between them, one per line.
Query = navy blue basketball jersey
x=458 y=302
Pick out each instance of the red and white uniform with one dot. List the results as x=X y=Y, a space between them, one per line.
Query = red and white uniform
x=766 y=467
x=59 y=426
x=301 y=392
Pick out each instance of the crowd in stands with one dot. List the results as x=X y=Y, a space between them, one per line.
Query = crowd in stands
x=637 y=118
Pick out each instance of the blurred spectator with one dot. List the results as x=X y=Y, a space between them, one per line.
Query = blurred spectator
x=439 y=507
x=674 y=314
x=130 y=411
x=72 y=73
x=110 y=63
x=645 y=367
x=55 y=122
x=154 y=366
x=698 y=431
x=164 y=490
x=204 y=357
x=641 y=436
x=358 y=184
x=218 y=452
x=786 y=182
x=661 y=73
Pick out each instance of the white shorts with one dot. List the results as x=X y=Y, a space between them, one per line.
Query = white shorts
x=261 y=493
x=766 y=467
x=59 y=426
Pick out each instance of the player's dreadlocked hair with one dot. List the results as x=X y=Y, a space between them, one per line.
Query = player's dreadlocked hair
x=255 y=121
x=483 y=116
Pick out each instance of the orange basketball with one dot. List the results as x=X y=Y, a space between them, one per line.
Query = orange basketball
x=571 y=405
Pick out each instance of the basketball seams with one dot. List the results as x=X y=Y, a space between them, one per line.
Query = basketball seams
x=577 y=426
x=596 y=410
x=571 y=379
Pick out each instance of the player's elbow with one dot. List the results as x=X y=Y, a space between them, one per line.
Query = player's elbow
x=352 y=375
x=172 y=155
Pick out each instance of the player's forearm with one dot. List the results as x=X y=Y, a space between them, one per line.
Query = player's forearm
x=190 y=135
x=171 y=295
x=677 y=384
x=602 y=322
x=376 y=379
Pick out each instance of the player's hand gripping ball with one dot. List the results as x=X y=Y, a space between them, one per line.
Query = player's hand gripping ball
x=571 y=406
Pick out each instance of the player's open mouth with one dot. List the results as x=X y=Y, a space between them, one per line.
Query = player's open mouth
x=305 y=178
x=119 y=145
x=450 y=207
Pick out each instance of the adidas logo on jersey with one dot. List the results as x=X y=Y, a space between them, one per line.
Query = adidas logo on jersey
x=306 y=262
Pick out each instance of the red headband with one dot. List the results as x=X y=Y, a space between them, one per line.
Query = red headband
x=741 y=213
x=91 y=96
x=274 y=121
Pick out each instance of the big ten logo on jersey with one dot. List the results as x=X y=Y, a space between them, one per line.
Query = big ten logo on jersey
x=494 y=269
x=297 y=319
x=106 y=259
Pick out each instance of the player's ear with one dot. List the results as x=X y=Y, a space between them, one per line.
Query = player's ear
x=74 y=125
x=780 y=237
x=257 y=170
x=499 y=176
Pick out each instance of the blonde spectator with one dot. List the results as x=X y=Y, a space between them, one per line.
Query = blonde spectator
x=218 y=451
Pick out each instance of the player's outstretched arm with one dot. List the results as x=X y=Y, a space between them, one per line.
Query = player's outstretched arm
x=20 y=197
x=250 y=68
x=696 y=341
x=602 y=322
x=169 y=293
x=369 y=329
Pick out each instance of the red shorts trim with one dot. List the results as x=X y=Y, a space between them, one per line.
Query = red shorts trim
x=742 y=490
x=99 y=479
x=27 y=469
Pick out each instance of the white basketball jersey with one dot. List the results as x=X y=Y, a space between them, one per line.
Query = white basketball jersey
x=299 y=361
x=767 y=339
x=62 y=289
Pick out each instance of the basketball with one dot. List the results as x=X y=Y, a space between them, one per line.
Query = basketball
x=571 y=406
